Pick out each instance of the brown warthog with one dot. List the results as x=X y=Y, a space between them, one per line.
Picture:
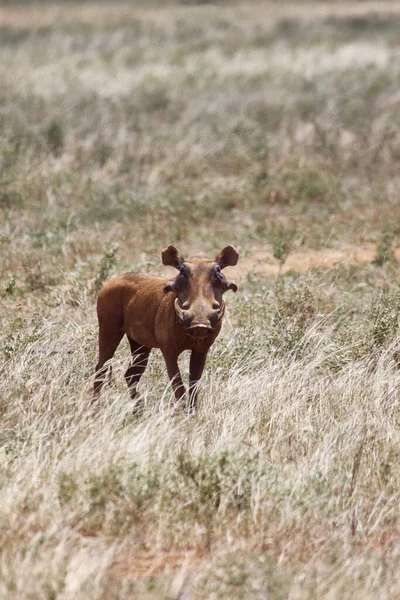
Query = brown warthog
x=182 y=314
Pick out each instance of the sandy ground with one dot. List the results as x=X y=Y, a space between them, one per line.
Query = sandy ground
x=261 y=260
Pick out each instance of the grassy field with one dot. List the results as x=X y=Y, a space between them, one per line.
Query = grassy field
x=270 y=126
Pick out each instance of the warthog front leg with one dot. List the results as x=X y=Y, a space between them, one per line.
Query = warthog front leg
x=175 y=376
x=197 y=362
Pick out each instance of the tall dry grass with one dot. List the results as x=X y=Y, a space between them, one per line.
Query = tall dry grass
x=273 y=127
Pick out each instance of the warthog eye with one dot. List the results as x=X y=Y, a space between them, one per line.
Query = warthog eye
x=219 y=275
x=183 y=273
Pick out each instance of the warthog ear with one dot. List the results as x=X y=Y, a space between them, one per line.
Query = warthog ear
x=172 y=257
x=228 y=257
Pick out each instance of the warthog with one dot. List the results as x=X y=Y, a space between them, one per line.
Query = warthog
x=183 y=314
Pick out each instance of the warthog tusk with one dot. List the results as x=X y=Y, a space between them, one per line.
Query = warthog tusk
x=178 y=309
x=222 y=310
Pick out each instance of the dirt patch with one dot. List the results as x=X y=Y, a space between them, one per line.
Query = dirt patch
x=262 y=261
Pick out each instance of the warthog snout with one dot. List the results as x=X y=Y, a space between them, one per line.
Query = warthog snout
x=200 y=331
x=199 y=321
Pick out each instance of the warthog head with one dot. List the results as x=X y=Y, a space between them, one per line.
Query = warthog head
x=199 y=287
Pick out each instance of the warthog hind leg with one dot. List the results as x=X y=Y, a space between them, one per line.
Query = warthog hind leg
x=109 y=339
x=140 y=357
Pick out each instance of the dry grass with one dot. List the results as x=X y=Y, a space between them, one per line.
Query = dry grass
x=273 y=126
